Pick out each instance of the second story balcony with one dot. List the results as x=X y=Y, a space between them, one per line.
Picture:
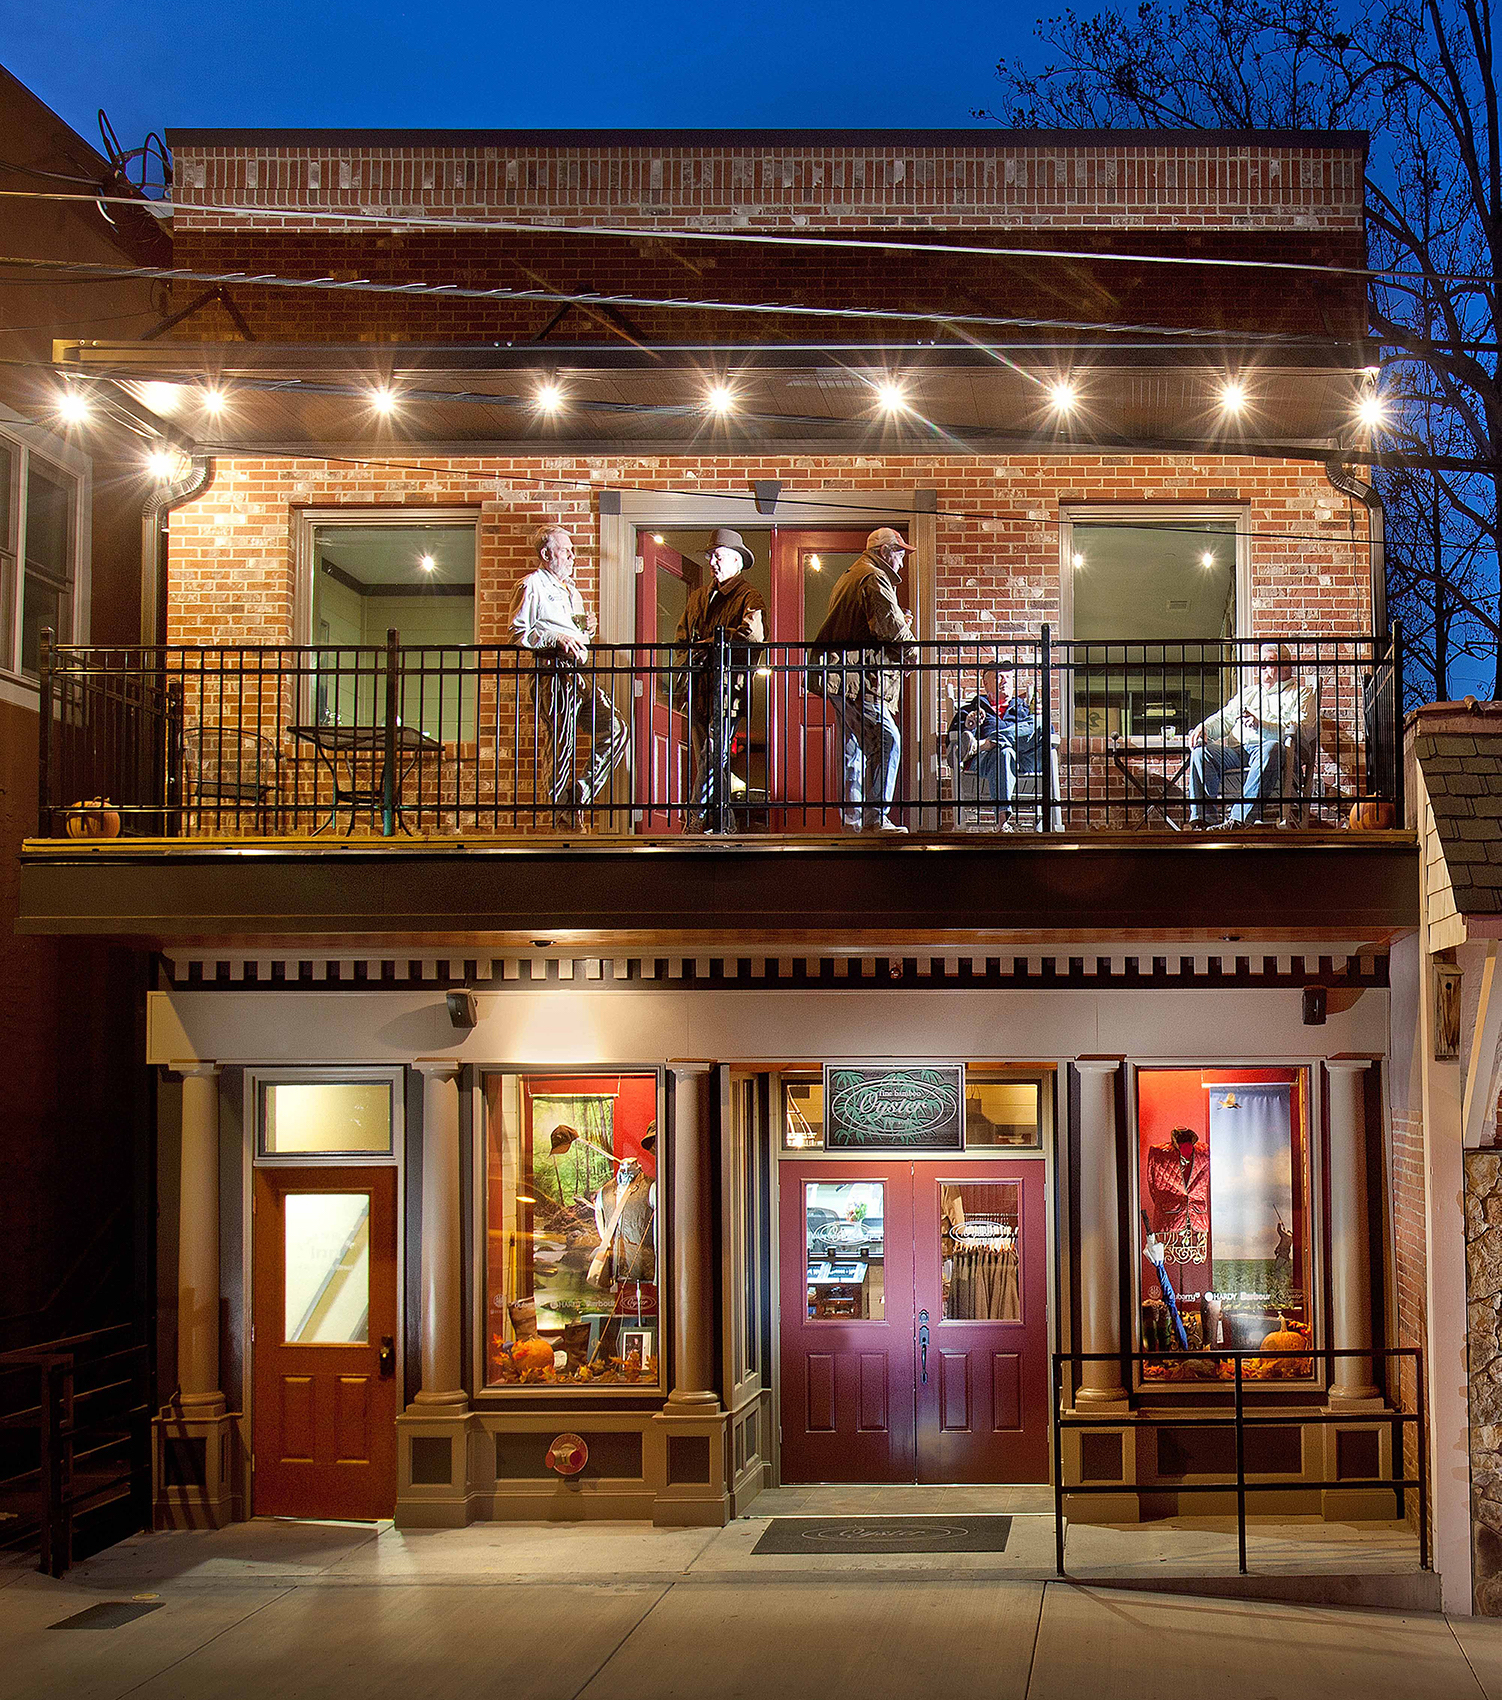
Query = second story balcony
x=954 y=739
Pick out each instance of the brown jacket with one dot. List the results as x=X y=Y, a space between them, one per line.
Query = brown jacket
x=711 y=610
x=866 y=630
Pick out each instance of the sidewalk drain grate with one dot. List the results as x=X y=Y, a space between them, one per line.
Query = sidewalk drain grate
x=885 y=1534
x=109 y=1614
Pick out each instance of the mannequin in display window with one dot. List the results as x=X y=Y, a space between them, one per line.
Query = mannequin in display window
x=625 y=1208
x=1178 y=1187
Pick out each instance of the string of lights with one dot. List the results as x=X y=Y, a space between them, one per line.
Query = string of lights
x=487 y=224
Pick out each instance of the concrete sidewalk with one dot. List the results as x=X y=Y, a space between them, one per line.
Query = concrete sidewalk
x=621 y=1611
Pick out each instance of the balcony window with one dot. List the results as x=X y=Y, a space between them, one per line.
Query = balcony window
x=368 y=577
x=571 y=1232
x=39 y=552
x=1153 y=600
x=1223 y=1243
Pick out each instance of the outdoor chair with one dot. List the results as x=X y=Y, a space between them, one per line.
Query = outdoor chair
x=231 y=778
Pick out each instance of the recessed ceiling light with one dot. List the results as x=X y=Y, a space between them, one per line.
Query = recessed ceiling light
x=1062 y=396
x=1371 y=410
x=1232 y=396
x=382 y=400
x=73 y=406
x=164 y=463
x=891 y=397
x=549 y=396
x=720 y=398
x=213 y=400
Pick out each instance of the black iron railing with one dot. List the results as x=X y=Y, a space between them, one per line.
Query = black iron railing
x=75 y=1440
x=1238 y=1418
x=1024 y=734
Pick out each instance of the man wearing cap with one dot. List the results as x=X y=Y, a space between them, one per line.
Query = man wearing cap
x=722 y=620
x=859 y=654
x=549 y=618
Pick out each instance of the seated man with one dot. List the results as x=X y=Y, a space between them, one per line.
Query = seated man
x=1250 y=740
x=987 y=736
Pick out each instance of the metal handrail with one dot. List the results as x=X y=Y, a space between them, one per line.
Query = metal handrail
x=1237 y=1419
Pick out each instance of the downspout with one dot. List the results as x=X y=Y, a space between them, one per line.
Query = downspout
x=154 y=510
x=1338 y=471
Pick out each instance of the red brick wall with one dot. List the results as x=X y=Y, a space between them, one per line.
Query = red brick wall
x=231 y=559
x=981 y=181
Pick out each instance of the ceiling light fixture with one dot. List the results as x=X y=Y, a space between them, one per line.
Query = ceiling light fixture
x=166 y=463
x=1062 y=396
x=721 y=398
x=73 y=406
x=889 y=394
x=382 y=400
x=1232 y=396
x=549 y=397
x=1371 y=410
x=213 y=401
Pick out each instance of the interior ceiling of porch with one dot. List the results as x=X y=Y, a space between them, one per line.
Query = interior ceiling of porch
x=1300 y=397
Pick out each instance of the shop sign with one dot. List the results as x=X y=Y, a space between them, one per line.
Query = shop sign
x=894 y=1107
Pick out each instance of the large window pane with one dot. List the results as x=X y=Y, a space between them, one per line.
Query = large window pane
x=47 y=595
x=326 y=1268
x=419 y=579
x=1148 y=590
x=1224 y=1242
x=317 y=1118
x=571 y=1230
x=979 y=1225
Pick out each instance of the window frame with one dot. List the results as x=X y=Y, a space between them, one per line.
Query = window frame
x=25 y=441
x=1314 y=1145
x=257 y=1079
x=482 y=1390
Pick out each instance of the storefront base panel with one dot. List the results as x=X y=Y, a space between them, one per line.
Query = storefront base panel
x=435 y=1465
x=197 y=1470
x=1154 y=1462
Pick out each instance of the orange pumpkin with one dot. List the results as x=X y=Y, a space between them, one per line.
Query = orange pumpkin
x=1372 y=816
x=532 y=1354
x=94 y=819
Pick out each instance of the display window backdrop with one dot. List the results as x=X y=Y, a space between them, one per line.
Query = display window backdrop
x=1222 y=1224
x=571 y=1231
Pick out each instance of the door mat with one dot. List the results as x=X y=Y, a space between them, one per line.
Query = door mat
x=963 y=1533
x=110 y=1614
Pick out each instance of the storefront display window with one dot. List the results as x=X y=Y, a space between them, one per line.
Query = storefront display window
x=571 y=1230
x=844 y=1226
x=1223 y=1219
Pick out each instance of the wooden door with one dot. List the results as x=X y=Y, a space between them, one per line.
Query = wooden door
x=804 y=740
x=982 y=1394
x=325 y=1320
x=847 y=1343
x=664 y=582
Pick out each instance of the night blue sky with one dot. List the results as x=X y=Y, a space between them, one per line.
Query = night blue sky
x=833 y=63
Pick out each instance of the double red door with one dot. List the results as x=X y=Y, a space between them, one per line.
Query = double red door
x=914 y=1321
x=788 y=767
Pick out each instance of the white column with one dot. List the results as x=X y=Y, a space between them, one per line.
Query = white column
x=198 y=1243
x=441 y=1317
x=1350 y=1242
x=692 y=1249
x=1100 y=1247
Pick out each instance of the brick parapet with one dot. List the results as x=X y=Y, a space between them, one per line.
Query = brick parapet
x=778 y=184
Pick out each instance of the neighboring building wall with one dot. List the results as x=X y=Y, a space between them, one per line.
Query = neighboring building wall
x=231 y=574
x=1483 y=1236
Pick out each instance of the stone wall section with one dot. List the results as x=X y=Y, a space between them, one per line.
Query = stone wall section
x=1483 y=1230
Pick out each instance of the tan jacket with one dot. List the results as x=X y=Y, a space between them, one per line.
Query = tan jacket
x=865 y=641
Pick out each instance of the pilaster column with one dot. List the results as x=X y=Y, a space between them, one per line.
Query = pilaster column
x=1100 y=1248
x=441 y=1320
x=692 y=1250
x=1350 y=1242
x=198 y=1243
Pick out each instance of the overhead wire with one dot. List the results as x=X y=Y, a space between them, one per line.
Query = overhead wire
x=888 y=244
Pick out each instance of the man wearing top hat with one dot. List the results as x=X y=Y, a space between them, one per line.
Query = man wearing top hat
x=715 y=691
x=859 y=655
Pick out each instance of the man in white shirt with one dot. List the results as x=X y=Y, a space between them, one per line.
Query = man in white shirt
x=1252 y=740
x=548 y=617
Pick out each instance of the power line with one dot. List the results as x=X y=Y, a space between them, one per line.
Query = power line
x=486 y=225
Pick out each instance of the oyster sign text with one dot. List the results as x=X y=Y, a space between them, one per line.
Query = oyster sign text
x=894 y=1106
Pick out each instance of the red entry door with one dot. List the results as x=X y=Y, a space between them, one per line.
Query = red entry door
x=324 y=1342
x=847 y=1343
x=664 y=582
x=914 y=1321
x=981 y=1292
